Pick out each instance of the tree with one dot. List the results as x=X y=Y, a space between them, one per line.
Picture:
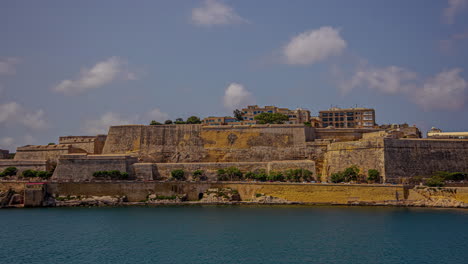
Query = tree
x=154 y=123
x=199 y=175
x=233 y=173
x=179 y=121
x=435 y=181
x=168 y=122
x=337 y=177
x=178 y=174
x=373 y=175
x=238 y=115
x=193 y=120
x=10 y=171
x=51 y=143
x=271 y=118
x=351 y=173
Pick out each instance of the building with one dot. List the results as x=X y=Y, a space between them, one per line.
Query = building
x=4 y=154
x=219 y=120
x=298 y=116
x=437 y=133
x=348 y=117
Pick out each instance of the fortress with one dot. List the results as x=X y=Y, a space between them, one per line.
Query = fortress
x=152 y=152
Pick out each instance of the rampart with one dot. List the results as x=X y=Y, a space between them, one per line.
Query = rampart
x=194 y=143
x=90 y=144
x=22 y=165
x=80 y=167
x=162 y=171
x=48 y=152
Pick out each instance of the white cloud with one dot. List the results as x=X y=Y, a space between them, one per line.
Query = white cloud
x=101 y=125
x=237 y=96
x=390 y=80
x=14 y=113
x=102 y=73
x=446 y=91
x=213 y=12
x=7 y=66
x=453 y=9
x=157 y=115
x=7 y=142
x=314 y=46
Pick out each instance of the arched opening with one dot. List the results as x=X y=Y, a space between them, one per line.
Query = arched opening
x=200 y=196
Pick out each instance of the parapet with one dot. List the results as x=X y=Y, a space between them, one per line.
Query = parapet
x=45 y=152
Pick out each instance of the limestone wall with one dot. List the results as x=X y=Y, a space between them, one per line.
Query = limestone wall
x=194 y=143
x=366 y=153
x=342 y=134
x=406 y=158
x=80 y=167
x=22 y=165
x=294 y=192
x=49 y=152
x=156 y=171
x=91 y=144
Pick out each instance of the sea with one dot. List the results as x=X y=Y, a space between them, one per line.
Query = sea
x=234 y=234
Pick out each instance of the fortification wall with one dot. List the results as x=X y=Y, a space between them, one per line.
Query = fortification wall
x=294 y=192
x=194 y=143
x=17 y=186
x=49 y=152
x=80 y=167
x=157 y=171
x=91 y=144
x=366 y=153
x=405 y=158
x=22 y=165
x=342 y=134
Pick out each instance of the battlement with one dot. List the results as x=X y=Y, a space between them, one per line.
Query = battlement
x=45 y=152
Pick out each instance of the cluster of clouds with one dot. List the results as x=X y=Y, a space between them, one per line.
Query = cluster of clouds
x=454 y=8
x=213 y=12
x=15 y=115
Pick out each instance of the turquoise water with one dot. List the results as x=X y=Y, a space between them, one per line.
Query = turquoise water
x=234 y=234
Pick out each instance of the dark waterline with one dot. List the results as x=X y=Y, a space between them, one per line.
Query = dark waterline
x=234 y=234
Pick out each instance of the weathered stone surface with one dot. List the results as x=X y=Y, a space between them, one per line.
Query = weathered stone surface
x=22 y=165
x=90 y=144
x=48 y=152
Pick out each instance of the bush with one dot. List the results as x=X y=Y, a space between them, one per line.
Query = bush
x=10 y=171
x=416 y=179
x=271 y=118
x=193 y=120
x=198 y=175
x=297 y=175
x=373 y=175
x=453 y=176
x=29 y=173
x=351 y=173
x=337 y=177
x=168 y=122
x=44 y=174
x=178 y=174
x=113 y=175
x=155 y=123
x=233 y=173
x=221 y=173
x=275 y=176
x=435 y=181
x=261 y=176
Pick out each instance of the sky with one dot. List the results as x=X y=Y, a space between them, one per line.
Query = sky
x=78 y=67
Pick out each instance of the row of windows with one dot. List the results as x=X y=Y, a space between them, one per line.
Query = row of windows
x=347 y=113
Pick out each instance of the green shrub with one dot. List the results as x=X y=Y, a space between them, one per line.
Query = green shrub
x=451 y=176
x=261 y=176
x=29 y=173
x=373 y=175
x=250 y=175
x=178 y=174
x=198 y=175
x=233 y=173
x=43 y=174
x=10 y=171
x=2 y=174
x=155 y=123
x=297 y=175
x=275 y=176
x=351 y=173
x=337 y=177
x=113 y=175
x=435 y=181
x=168 y=122
x=221 y=173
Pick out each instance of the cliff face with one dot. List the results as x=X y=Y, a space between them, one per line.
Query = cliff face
x=194 y=143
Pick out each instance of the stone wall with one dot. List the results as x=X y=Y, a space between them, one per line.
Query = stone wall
x=194 y=143
x=367 y=153
x=80 y=167
x=91 y=144
x=342 y=134
x=405 y=158
x=294 y=192
x=157 y=171
x=48 y=152
x=22 y=165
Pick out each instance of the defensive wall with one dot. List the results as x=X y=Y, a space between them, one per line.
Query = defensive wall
x=22 y=165
x=90 y=144
x=80 y=167
x=162 y=171
x=398 y=159
x=46 y=152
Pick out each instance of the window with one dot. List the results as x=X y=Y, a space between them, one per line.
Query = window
x=341 y=114
x=350 y=113
x=325 y=114
x=367 y=118
x=270 y=111
x=255 y=112
x=341 y=118
x=325 y=119
x=350 y=118
x=336 y=118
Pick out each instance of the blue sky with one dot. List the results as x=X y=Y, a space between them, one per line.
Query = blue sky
x=76 y=67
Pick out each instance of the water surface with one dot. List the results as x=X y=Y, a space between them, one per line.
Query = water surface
x=234 y=234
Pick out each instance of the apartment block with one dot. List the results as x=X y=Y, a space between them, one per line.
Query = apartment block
x=348 y=117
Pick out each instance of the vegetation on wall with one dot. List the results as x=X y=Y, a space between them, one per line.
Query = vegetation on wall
x=238 y=115
x=112 y=174
x=348 y=175
x=373 y=175
x=10 y=171
x=178 y=174
x=34 y=173
x=154 y=123
x=168 y=122
x=193 y=120
x=199 y=175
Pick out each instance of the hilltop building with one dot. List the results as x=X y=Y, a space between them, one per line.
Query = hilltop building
x=4 y=154
x=298 y=116
x=348 y=117
x=437 y=133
